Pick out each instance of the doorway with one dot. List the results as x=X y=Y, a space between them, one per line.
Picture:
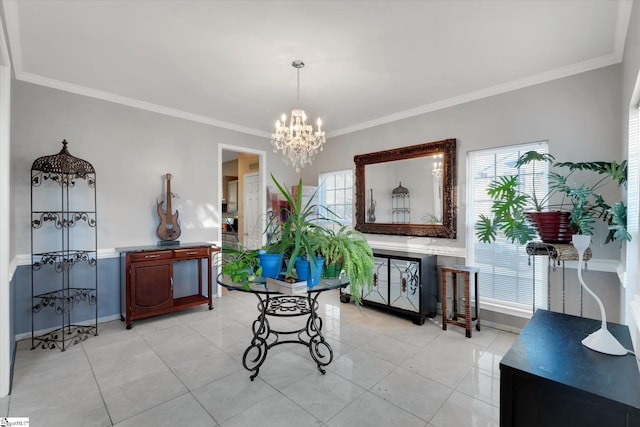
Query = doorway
x=239 y=216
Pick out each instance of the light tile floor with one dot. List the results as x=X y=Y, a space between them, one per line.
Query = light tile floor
x=186 y=369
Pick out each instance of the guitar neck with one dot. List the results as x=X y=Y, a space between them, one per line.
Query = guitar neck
x=168 y=200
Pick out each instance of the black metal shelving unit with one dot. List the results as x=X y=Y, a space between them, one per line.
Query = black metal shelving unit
x=64 y=261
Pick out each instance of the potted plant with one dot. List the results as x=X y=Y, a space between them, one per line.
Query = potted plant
x=348 y=250
x=300 y=233
x=240 y=264
x=575 y=207
x=289 y=237
x=309 y=239
x=301 y=229
x=272 y=252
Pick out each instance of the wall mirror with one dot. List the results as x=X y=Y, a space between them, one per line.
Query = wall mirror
x=408 y=191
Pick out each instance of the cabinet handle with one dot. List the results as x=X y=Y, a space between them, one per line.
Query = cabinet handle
x=192 y=253
x=151 y=256
x=172 y=283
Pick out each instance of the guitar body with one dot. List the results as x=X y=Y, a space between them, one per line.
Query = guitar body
x=169 y=228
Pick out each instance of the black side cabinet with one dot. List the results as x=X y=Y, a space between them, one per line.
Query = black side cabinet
x=548 y=378
x=404 y=283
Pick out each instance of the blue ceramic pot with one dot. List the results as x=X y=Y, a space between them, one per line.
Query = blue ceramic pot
x=271 y=264
x=303 y=270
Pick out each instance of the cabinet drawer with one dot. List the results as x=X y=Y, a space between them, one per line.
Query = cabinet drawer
x=149 y=256
x=191 y=253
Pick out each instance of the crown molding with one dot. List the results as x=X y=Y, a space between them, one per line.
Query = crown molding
x=118 y=99
x=13 y=29
x=622 y=28
x=5 y=58
x=13 y=33
x=622 y=25
x=558 y=73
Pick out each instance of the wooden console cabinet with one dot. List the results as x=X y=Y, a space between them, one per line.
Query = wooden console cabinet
x=147 y=285
x=404 y=283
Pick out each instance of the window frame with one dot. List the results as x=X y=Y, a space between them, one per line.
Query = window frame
x=528 y=300
x=348 y=194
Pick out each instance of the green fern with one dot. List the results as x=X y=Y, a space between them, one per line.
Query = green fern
x=352 y=249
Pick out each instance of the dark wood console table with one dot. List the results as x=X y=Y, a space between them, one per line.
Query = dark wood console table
x=548 y=378
x=147 y=279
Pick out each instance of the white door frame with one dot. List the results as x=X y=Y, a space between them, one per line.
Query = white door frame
x=630 y=310
x=6 y=341
x=262 y=155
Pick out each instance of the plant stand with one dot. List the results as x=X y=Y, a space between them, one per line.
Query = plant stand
x=557 y=254
x=64 y=272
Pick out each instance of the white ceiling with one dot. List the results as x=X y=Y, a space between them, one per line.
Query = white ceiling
x=228 y=63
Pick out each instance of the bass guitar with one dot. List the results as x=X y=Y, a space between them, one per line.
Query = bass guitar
x=169 y=228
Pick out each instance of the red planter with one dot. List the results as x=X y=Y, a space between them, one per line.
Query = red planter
x=552 y=227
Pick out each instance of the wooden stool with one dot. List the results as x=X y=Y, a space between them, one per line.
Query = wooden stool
x=466 y=271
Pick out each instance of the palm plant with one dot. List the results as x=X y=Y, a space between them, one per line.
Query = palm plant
x=300 y=231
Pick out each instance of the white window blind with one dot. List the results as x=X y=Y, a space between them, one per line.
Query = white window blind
x=506 y=278
x=336 y=193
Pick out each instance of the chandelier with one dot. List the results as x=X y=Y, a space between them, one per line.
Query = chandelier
x=298 y=142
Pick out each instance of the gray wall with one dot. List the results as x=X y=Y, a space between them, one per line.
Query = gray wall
x=580 y=116
x=131 y=149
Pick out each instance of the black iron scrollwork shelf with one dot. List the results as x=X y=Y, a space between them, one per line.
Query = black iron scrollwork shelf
x=63 y=337
x=60 y=220
x=63 y=214
x=63 y=260
x=63 y=300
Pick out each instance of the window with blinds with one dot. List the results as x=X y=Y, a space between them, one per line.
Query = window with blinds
x=336 y=193
x=506 y=276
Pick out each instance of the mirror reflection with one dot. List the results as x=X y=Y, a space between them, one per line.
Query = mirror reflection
x=407 y=191
x=390 y=197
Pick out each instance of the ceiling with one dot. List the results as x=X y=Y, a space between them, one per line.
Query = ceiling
x=228 y=63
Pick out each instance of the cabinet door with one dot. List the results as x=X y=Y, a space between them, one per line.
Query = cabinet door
x=151 y=287
x=405 y=284
x=379 y=291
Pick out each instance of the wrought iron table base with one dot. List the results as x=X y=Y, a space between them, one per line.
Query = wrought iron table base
x=264 y=337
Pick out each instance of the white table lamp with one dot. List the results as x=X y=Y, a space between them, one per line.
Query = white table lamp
x=601 y=340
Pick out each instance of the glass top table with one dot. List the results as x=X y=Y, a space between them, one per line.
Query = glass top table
x=272 y=302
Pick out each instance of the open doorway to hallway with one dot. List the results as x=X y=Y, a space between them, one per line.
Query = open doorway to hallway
x=242 y=194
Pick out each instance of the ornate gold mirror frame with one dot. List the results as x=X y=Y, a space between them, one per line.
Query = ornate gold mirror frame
x=435 y=163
